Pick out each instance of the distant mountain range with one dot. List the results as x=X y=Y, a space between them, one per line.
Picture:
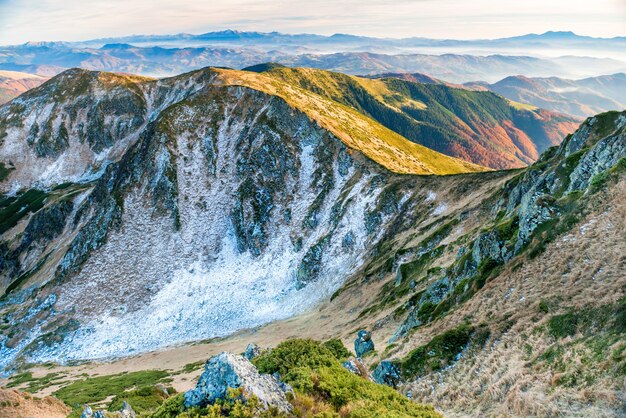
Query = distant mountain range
x=51 y=58
x=545 y=42
x=581 y=98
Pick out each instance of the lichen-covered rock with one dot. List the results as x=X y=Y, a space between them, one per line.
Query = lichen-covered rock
x=228 y=370
x=363 y=343
x=489 y=245
x=386 y=373
x=604 y=155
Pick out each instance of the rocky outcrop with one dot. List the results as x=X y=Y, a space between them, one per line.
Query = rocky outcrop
x=540 y=195
x=386 y=373
x=252 y=350
x=228 y=370
x=363 y=343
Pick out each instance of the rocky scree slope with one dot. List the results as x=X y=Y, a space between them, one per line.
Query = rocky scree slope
x=476 y=126
x=139 y=213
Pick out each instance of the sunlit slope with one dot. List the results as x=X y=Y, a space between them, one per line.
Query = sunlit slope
x=355 y=129
x=476 y=126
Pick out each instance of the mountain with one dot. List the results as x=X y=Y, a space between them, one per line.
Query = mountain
x=480 y=127
x=235 y=175
x=584 y=97
x=563 y=42
x=12 y=84
x=160 y=61
x=144 y=214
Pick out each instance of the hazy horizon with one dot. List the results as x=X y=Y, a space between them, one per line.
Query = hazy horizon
x=28 y=20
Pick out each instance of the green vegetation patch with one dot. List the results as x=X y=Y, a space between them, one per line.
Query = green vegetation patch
x=335 y=346
x=316 y=374
x=96 y=389
x=4 y=171
x=12 y=209
x=143 y=400
x=595 y=348
x=442 y=351
x=233 y=406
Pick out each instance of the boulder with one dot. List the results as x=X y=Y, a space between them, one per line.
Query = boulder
x=387 y=374
x=356 y=366
x=228 y=370
x=126 y=411
x=252 y=350
x=87 y=412
x=363 y=343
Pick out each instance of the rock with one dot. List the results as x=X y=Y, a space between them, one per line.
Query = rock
x=87 y=412
x=228 y=370
x=604 y=155
x=387 y=374
x=127 y=411
x=350 y=365
x=286 y=387
x=163 y=389
x=356 y=366
x=252 y=350
x=363 y=343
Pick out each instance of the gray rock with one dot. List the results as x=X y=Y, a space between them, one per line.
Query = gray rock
x=252 y=350
x=228 y=370
x=87 y=412
x=350 y=365
x=363 y=343
x=387 y=374
x=604 y=155
x=356 y=366
x=127 y=411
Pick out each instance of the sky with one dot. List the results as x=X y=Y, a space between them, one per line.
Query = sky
x=74 y=20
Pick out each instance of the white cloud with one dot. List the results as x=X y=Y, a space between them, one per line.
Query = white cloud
x=22 y=20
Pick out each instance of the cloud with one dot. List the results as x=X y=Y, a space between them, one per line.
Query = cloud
x=22 y=20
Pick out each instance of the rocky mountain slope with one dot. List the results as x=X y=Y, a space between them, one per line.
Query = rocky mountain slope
x=243 y=199
x=139 y=214
x=476 y=126
x=13 y=83
x=582 y=98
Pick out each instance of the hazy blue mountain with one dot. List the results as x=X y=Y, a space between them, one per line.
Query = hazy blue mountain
x=155 y=60
x=582 y=97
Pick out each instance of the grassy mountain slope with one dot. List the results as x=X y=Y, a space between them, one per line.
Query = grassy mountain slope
x=480 y=127
x=581 y=98
x=356 y=130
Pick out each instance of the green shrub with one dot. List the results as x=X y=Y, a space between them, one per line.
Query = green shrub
x=336 y=347
x=315 y=373
x=142 y=400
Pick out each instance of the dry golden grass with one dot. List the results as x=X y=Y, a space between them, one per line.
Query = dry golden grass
x=583 y=268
